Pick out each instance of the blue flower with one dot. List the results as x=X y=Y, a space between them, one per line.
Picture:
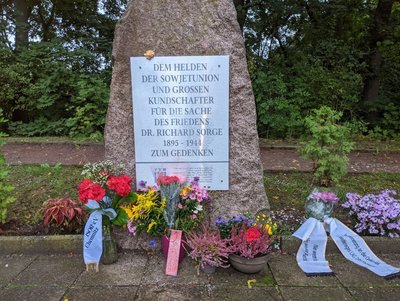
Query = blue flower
x=152 y=243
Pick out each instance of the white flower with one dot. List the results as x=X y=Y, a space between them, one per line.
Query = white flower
x=198 y=209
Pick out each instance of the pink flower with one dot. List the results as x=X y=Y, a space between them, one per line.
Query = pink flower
x=180 y=206
x=194 y=216
x=192 y=196
x=131 y=229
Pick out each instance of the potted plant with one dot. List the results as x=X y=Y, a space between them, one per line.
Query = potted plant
x=251 y=248
x=208 y=249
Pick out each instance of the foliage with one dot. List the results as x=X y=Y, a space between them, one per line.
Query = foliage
x=328 y=146
x=303 y=55
x=110 y=191
x=376 y=214
x=6 y=199
x=207 y=247
x=64 y=215
x=55 y=95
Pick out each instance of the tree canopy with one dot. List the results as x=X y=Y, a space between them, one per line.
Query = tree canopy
x=55 y=63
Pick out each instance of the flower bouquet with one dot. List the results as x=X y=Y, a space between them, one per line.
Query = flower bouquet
x=319 y=204
x=184 y=207
x=104 y=192
x=146 y=214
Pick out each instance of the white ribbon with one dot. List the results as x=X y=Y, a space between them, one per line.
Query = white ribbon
x=93 y=233
x=354 y=248
x=311 y=254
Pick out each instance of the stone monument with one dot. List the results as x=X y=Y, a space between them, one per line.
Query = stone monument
x=189 y=28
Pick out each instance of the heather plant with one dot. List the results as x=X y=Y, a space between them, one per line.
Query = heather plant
x=251 y=241
x=208 y=248
x=63 y=215
x=375 y=214
x=328 y=146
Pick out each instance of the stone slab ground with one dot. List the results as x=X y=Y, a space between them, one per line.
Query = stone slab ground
x=139 y=276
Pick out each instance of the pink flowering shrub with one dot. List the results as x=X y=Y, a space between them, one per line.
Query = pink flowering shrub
x=376 y=214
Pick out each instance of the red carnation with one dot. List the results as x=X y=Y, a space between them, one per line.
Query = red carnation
x=121 y=184
x=252 y=234
x=90 y=191
x=166 y=180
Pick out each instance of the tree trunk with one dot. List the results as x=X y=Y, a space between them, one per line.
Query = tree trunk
x=377 y=33
x=22 y=12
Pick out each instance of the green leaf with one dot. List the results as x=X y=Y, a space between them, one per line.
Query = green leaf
x=121 y=219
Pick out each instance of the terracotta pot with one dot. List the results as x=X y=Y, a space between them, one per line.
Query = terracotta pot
x=248 y=265
x=165 y=247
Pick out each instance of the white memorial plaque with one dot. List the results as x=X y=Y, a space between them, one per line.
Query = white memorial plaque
x=181 y=120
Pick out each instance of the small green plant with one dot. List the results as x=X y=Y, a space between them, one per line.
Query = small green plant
x=63 y=215
x=5 y=188
x=328 y=146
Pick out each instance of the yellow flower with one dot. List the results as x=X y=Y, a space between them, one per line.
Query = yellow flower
x=185 y=191
x=128 y=210
x=151 y=225
x=269 y=229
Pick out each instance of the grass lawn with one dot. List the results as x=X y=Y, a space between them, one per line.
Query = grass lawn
x=286 y=191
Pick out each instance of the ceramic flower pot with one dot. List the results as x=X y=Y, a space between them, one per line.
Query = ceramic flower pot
x=249 y=265
x=165 y=247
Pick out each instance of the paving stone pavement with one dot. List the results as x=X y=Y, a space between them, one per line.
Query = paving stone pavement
x=139 y=276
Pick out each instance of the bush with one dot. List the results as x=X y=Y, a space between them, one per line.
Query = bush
x=5 y=188
x=328 y=146
x=63 y=216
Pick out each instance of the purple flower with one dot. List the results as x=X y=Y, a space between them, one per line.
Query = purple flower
x=152 y=243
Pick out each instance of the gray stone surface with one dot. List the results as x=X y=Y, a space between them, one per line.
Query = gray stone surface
x=187 y=273
x=231 y=278
x=121 y=274
x=32 y=293
x=315 y=294
x=133 y=277
x=236 y=294
x=287 y=273
x=197 y=27
x=377 y=293
x=172 y=292
x=355 y=276
x=102 y=293
x=55 y=270
x=11 y=266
